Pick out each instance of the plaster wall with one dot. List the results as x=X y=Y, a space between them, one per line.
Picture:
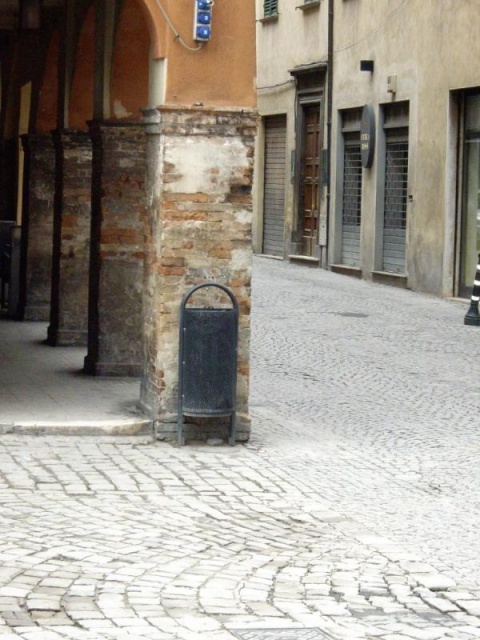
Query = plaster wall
x=218 y=73
x=295 y=38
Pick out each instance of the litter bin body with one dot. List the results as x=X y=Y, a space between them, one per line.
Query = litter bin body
x=207 y=378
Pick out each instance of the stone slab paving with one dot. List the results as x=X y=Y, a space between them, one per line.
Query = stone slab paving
x=43 y=389
x=352 y=514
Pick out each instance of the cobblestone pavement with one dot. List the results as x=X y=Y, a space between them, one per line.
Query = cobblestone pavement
x=352 y=513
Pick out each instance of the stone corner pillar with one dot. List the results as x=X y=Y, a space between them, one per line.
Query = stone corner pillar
x=37 y=226
x=199 y=229
x=71 y=238
x=117 y=249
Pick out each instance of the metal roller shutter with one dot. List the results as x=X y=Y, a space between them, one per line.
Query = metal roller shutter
x=274 y=185
x=395 y=222
x=352 y=201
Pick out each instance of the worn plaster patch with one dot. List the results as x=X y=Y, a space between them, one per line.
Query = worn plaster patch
x=204 y=166
x=119 y=110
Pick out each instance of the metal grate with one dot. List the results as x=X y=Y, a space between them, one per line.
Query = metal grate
x=352 y=203
x=396 y=175
x=395 y=206
x=352 y=185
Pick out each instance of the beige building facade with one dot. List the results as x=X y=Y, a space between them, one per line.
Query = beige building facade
x=291 y=201
x=402 y=205
x=418 y=202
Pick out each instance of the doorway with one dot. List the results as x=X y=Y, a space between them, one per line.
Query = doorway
x=308 y=213
x=274 y=185
x=470 y=232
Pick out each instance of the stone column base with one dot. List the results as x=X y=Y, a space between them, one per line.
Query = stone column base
x=111 y=369
x=66 y=338
x=37 y=314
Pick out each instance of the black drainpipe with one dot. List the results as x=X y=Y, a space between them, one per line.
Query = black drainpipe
x=329 y=117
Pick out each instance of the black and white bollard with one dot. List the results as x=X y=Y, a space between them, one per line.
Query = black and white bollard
x=472 y=316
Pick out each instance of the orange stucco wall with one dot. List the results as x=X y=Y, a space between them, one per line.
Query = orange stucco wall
x=81 y=95
x=47 y=100
x=129 y=87
x=222 y=73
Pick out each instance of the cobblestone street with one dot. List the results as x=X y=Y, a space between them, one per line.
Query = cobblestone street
x=352 y=513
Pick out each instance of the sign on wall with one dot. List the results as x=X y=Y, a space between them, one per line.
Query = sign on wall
x=367 y=136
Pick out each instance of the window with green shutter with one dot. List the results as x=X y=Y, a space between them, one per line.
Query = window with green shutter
x=270 y=7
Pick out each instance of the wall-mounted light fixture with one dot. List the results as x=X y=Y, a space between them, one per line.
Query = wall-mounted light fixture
x=366 y=65
x=392 y=84
x=30 y=14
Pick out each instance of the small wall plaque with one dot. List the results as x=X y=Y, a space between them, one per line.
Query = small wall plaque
x=367 y=136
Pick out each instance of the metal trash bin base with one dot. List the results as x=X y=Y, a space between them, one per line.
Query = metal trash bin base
x=181 y=423
x=207 y=378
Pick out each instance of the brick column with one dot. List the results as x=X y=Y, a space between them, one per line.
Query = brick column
x=117 y=250
x=37 y=226
x=199 y=182
x=71 y=238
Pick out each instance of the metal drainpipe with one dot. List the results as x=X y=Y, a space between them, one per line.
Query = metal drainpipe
x=329 y=116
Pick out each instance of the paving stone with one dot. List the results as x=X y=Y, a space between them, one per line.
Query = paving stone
x=352 y=513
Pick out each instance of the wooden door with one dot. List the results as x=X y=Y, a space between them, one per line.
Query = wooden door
x=309 y=172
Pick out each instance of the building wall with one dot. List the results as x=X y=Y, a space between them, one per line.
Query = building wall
x=430 y=47
x=293 y=39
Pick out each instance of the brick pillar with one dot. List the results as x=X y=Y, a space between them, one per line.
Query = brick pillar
x=71 y=238
x=199 y=182
x=117 y=249
x=37 y=226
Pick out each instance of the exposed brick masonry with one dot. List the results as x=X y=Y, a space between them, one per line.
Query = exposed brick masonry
x=117 y=249
x=199 y=185
x=37 y=225
x=73 y=168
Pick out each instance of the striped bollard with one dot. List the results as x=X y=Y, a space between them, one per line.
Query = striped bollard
x=473 y=317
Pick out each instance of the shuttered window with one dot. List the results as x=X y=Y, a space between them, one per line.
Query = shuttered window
x=270 y=7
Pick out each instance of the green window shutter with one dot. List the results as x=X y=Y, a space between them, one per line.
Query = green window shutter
x=270 y=7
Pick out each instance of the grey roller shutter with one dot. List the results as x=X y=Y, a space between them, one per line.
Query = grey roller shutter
x=352 y=201
x=274 y=185
x=395 y=205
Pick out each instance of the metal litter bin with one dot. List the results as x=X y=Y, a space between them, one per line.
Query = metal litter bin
x=207 y=379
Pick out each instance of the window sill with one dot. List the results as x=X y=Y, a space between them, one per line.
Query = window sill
x=346 y=270
x=307 y=6
x=386 y=277
x=306 y=259
x=268 y=19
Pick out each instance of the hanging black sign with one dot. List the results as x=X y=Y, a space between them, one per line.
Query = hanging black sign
x=367 y=136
